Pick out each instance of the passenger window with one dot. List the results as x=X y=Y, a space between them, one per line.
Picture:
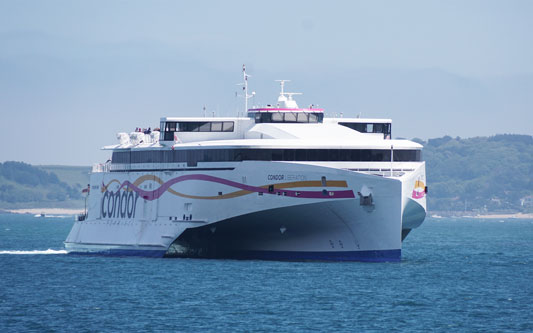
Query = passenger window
x=228 y=126
x=204 y=127
x=216 y=126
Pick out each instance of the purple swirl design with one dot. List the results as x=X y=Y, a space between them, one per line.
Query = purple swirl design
x=157 y=193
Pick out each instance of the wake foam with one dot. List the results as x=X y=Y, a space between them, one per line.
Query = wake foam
x=49 y=251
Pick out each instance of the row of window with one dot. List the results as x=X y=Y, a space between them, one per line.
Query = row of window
x=194 y=126
x=287 y=117
x=370 y=128
x=193 y=156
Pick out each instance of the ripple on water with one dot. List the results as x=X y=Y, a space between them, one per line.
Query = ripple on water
x=454 y=275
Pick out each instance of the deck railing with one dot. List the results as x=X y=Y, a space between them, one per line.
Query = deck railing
x=101 y=167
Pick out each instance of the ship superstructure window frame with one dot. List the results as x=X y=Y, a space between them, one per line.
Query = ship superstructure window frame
x=287 y=117
x=171 y=127
x=193 y=156
x=370 y=127
x=203 y=126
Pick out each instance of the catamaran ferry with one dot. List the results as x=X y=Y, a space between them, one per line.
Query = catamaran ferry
x=283 y=183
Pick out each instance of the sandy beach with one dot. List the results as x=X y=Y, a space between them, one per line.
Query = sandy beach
x=46 y=211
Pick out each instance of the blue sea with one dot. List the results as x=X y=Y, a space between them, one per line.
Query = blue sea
x=456 y=275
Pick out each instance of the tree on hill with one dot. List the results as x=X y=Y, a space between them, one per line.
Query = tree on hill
x=23 y=183
x=483 y=173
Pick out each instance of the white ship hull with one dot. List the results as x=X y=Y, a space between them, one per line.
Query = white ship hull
x=262 y=210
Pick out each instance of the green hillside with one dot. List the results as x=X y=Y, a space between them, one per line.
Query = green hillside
x=483 y=174
x=75 y=176
x=26 y=186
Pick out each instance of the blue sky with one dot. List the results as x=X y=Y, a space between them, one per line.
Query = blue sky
x=74 y=73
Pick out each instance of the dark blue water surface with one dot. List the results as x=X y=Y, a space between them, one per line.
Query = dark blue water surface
x=455 y=275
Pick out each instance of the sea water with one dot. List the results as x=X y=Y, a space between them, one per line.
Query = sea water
x=455 y=275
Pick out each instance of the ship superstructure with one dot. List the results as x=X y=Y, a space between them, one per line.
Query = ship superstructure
x=282 y=183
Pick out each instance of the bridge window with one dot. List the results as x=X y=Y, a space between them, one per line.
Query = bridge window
x=287 y=117
x=290 y=117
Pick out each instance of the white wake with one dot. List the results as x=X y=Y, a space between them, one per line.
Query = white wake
x=49 y=251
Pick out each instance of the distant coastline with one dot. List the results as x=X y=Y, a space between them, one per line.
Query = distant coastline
x=46 y=211
x=505 y=216
x=74 y=211
x=482 y=216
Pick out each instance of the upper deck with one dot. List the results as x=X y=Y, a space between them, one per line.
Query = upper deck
x=281 y=132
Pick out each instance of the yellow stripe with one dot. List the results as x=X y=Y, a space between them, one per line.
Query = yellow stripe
x=419 y=183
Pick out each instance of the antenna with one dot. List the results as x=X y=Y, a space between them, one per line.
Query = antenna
x=245 y=88
x=282 y=84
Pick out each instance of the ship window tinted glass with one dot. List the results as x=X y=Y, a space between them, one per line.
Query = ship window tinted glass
x=302 y=118
x=193 y=156
x=167 y=156
x=120 y=157
x=277 y=154
x=180 y=156
x=169 y=136
x=188 y=127
x=216 y=126
x=170 y=126
x=288 y=154
x=228 y=126
x=290 y=117
x=277 y=117
x=204 y=127
x=263 y=117
x=384 y=128
x=312 y=155
x=301 y=155
x=287 y=117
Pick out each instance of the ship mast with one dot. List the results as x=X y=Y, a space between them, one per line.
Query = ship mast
x=245 y=88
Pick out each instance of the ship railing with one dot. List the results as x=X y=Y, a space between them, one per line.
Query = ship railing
x=383 y=172
x=101 y=167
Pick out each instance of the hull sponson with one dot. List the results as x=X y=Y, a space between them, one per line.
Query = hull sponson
x=337 y=230
x=362 y=256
